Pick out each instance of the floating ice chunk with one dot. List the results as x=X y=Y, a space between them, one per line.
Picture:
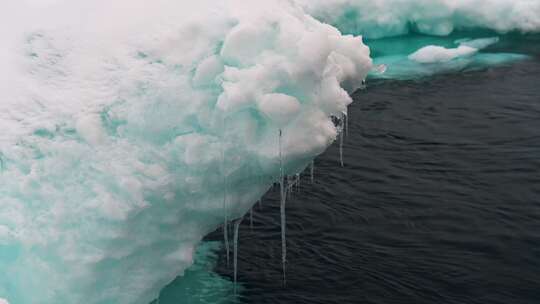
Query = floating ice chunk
x=235 y=250
x=437 y=54
x=331 y=88
x=279 y=108
x=380 y=68
x=479 y=44
x=135 y=104
x=385 y=18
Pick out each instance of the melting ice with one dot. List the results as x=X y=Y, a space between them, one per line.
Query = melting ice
x=131 y=129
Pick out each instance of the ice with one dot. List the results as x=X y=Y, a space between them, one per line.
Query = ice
x=283 y=189
x=131 y=129
x=465 y=54
x=226 y=236
x=312 y=171
x=135 y=129
x=225 y=205
x=251 y=218
x=236 y=228
x=380 y=69
x=434 y=53
x=379 y=21
x=341 y=135
x=480 y=43
x=437 y=54
x=346 y=124
x=384 y=18
x=279 y=108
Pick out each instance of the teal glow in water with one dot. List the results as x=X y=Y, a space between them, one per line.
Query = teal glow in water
x=199 y=284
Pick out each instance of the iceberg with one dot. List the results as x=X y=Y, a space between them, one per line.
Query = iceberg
x=131 y=129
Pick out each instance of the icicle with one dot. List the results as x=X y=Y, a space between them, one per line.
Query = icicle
x=235 y=254
x=287 y=186
x=312 y=171
x=346 y=124
x=225 y=207
x=282 y=211
x=251 y=218
x=341 y=145
x=297 y=182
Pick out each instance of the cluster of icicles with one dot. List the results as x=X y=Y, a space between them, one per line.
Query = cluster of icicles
x=287 y=185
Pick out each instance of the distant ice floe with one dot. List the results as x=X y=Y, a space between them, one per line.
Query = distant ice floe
x=131 y=130
x=466 y=48
x=384 y=18
x=434 y=59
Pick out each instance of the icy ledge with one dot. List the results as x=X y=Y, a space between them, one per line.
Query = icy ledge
x=384 y=18
x=135 y=132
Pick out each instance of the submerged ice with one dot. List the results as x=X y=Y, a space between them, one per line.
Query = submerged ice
x=132 y=129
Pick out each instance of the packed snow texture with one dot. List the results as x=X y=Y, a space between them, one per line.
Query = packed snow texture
x=383 y=18
x=128 y=127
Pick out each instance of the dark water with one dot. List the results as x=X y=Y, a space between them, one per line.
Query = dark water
x=438 y=202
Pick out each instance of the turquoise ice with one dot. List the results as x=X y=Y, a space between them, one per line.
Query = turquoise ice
x=131 y=129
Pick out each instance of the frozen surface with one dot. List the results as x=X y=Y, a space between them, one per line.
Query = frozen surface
x=125 y=125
